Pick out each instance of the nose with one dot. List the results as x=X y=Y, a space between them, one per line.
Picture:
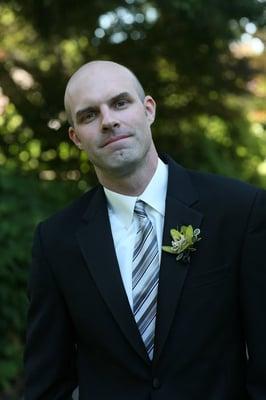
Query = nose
x=109 y=120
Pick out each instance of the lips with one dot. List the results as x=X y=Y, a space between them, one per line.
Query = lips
x=114 y=139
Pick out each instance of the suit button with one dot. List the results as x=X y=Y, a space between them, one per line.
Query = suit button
x=156 y=384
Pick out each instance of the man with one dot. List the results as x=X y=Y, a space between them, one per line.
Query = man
x=112 y=313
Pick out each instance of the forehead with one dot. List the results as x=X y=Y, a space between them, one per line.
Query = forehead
x=96 y=86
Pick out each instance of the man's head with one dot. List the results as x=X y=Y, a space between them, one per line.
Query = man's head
x=110 y=117
x=84 y=69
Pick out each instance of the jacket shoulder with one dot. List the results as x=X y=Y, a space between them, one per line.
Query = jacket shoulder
x=72 y=213
x=218 y=184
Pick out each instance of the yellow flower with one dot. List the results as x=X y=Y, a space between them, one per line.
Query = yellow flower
x=183 y=241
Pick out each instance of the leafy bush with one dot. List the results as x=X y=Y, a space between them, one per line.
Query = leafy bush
x=24 y=201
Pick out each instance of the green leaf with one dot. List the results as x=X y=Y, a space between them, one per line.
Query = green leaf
x=189 y=233
x=176 y=235
x=169 y=249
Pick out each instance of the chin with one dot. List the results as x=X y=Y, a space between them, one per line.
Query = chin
x=123 y=165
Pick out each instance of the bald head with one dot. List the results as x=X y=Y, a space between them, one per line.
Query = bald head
x=98 y=70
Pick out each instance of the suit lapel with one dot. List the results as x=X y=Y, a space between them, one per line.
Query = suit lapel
x=96 y=243
x=180 y=197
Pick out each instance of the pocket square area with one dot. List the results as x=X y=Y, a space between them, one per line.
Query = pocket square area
x=208 y=277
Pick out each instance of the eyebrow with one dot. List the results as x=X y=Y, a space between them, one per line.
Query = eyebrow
x=122 y=95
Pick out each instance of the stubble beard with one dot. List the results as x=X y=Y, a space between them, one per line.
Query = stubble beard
x=120 y=164
x=123 y=163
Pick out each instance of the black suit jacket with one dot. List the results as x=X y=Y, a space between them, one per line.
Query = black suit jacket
x=210 y=338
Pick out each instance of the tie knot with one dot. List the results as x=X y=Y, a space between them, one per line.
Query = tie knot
x=140 y=209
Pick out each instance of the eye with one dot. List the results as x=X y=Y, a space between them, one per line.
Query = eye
x=122 y=103
x=89 y=116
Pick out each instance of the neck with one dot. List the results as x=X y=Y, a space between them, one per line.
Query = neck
x=132 y=184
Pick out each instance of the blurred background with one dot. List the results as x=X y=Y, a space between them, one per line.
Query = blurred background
x=203 y=61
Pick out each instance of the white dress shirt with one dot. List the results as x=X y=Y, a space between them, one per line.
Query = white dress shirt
x=124 y=225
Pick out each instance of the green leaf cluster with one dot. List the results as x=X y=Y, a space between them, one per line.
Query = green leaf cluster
x=179 y=49
x=183 y=240
x=24 y=202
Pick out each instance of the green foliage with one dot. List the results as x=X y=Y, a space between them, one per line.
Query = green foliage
x=178 y=48
x=24 y=202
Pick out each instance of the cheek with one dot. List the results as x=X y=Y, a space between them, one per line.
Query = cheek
x=140 y=124
x=133 y=117
x=86 y=135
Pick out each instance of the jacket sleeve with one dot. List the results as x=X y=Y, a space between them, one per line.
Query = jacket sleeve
x=50 y=353
x=253 y=297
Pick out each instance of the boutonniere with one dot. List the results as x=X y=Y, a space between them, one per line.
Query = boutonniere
x=183 y=242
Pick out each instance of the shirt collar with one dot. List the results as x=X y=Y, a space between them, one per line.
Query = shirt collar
x=154 y=195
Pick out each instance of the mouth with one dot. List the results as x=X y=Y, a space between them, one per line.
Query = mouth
x=114 y=139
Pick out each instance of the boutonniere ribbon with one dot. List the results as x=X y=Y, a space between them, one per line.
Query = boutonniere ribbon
x=183 y=242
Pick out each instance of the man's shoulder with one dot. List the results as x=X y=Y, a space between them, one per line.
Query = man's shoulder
x=71 y=214
x=208 y=184
x=222 y=189
x=219 y=182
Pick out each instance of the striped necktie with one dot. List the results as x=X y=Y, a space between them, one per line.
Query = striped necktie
x=145 y=276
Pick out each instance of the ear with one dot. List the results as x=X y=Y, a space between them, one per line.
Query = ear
x=74 y=137
x=150 y=108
